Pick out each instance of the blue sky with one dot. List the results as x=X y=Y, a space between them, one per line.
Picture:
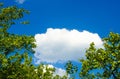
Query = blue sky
x=100 y=16
x=94 y=16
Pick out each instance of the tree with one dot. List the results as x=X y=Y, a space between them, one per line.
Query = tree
x=15 y=62
x=105 y=60
x=71 y=69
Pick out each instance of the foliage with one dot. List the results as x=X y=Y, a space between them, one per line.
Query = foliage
x=71 y=69
x=106 y=60
x=100 y=63
x=12 y=68
x=15 y=62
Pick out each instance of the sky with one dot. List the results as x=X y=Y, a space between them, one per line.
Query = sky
x=63 y=29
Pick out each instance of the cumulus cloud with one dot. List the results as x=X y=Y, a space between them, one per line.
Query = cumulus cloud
x=20 y=1
x=61 y=45
x=58 y=71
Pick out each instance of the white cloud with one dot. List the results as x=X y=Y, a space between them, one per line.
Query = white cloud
x=60 y=45
x=20 y=1
x=47 y=67
x=59 y=71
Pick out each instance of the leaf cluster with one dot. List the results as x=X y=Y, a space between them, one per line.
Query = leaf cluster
x=15 y=62
x=106 y=59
